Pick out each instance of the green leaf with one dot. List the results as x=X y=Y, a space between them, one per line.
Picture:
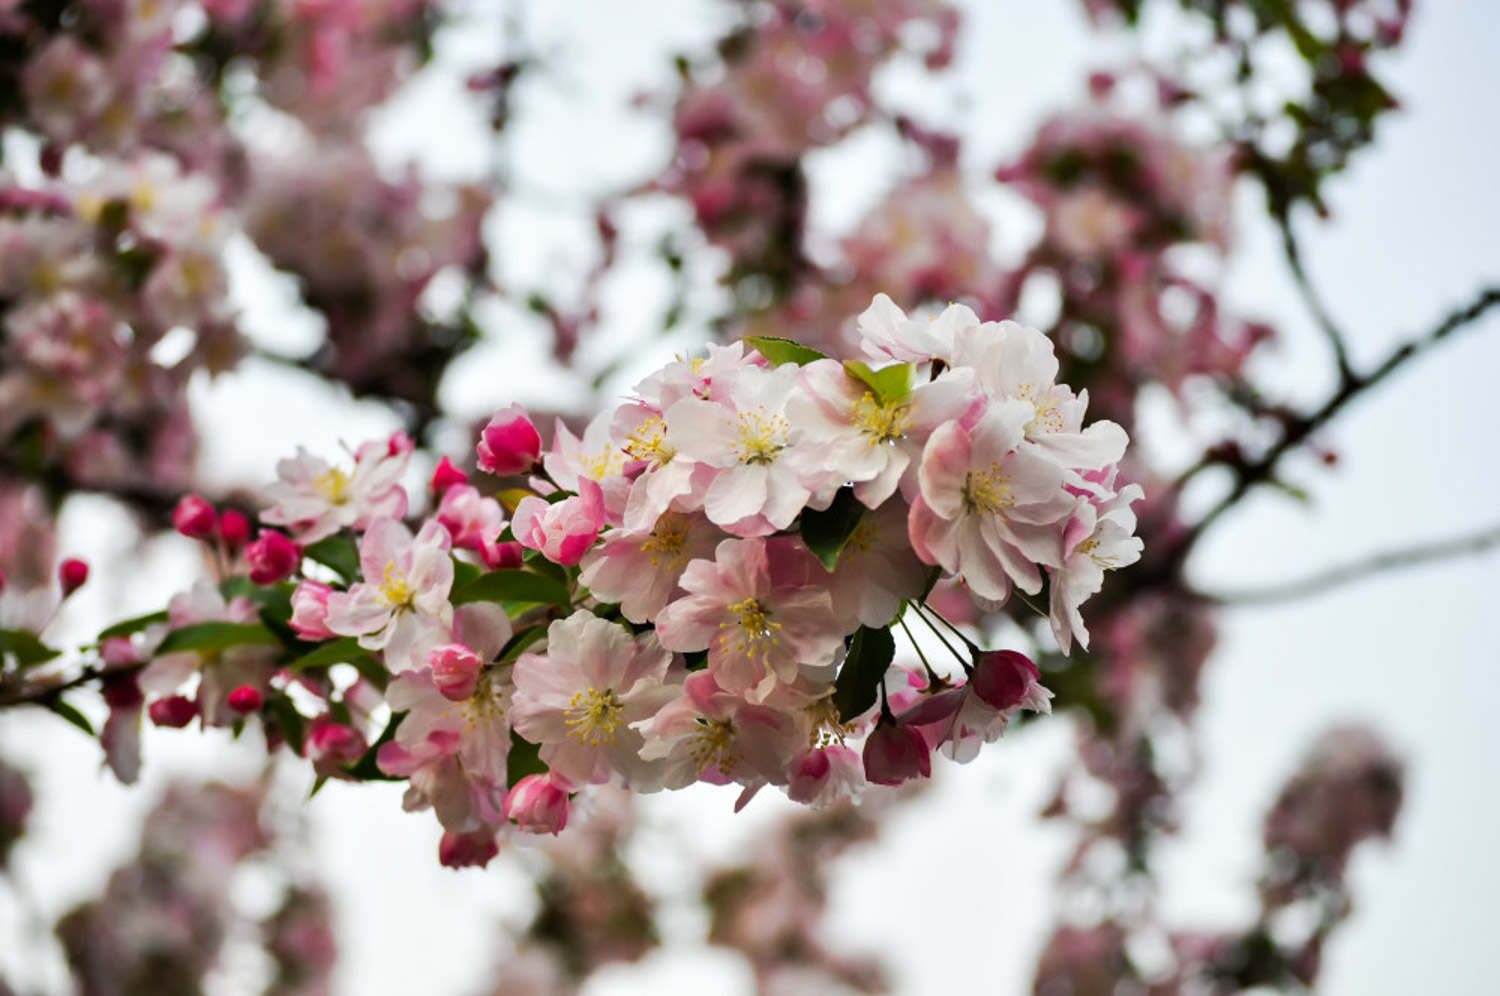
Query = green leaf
x=72 y=715
x=779 y=350
x=513 y=585
x=341 y=651
x=372 y=671
x=869 y=657
x=524 y=759
x=291 y=722
x=127 y=626
x=463 y=573
x=520 y=641
x=892 y=383
x=826 y=533
x=213 y=636
x=365 y=769
x=336 y=553
x=25 y=647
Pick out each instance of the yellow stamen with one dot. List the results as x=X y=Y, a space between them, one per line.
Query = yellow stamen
x=761 y=436
x=667 y=544
x=333 y=484
x=986 y=491
x=394 y=590
x=881 y=422
x=594 y=716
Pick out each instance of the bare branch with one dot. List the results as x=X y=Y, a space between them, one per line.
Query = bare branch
x=1331 y=330
x=1359 y=570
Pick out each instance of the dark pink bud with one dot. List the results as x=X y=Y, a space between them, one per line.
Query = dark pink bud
x=2 y=580
x=331 y=744
x=121 y=692
x=174 y=712
x=446 y=476
x=538 y=804
x=234 y=528
x=467 y=850
x=508 y=555
x=894 y=754
x=273 y=557
x=72 y=574
x=399 y=444
x=1002 y=678
x=195 y=517
x=509 y=443
x=455 y=670
x=245 y=699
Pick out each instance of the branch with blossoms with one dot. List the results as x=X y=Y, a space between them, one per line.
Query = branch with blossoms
x=702 y=587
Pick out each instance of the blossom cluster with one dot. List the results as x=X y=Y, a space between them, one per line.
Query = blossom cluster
x=699 y=587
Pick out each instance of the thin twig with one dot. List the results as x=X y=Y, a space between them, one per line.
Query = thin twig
x=1314 y=301
x=1365 y=567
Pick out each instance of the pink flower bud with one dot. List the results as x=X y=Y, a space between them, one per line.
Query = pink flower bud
x=174 y=712
x=466 y=850
x=400 y=444
x=808 y=776
x=273 y=557
x=118 y=651
x=72 y=574
x=310 y=611
x=508 y=555
x=455 y=670
x=234 y=528
x=331 y=745
x=2 y=580
x=538 y=804
x=446 y=475
x=194 y=517
x=245 y=699
x=121 y=691
x=509 y=443
x=562 y=532
x=894 y=754
x=1002 y=678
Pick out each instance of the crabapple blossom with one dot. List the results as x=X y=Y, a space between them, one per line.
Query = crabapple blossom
x=894 y=754
x=641 y=570
x=310 y=610
x=1099 y=537
x=406 y=611
x=475 y=523
x=759 y=626
x=580 y=699
x=272 y=557
x=194 y=517
x=711 y=734
x=539 y=804
x=316 y=499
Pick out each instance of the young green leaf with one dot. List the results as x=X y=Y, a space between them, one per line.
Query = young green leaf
x=778 y=350
x=513 y=585
x=127 y=626
x=336 y=553
x=213 y=636
x=889 y=384
x=25 y=647
x=826 y=533
x=72 y=715
x=868 y=659
x=524 y=759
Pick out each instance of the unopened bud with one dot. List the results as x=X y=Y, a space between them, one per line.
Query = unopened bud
x=509 y=443
x=245 y=699
x=273 y=557
x=234 y=528
x=72 y=574
x=173 y=712
x=446 y=475
x=195 y=517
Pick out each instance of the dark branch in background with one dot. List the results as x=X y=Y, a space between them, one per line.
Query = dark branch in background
x=1331 y=331
x=1297 y=429
x=1359 y=570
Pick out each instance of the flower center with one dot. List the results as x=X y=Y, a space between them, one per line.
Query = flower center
x=648 y=441
x=986 y=491
x=393 y=589
x=604 y=463
x=882 y=422
x=1105 y=561
x=1048 y=417
x=594 y=716
x=761 y=436
x=333 y=484
x=827 y=731
x=667 y=541
x=713 y=744
x=757 y=630
x=487 y=704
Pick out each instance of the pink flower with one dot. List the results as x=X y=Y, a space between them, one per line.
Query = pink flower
x=467 y=850
x=1004 y=679
x=194 y=517
x=640 y=570
x=580 y=699
x=562 y=532
x=826 y=775
x=989 y=512
x=331 y=745
x=316 y=499
x=717 y=736
x=272 y=557
x=402 y=605
x=752 y=610
x=1100 y=537
x=310 y=611
x=539 y=804
x=121 y=736
x=894 y=754
x=509 y=443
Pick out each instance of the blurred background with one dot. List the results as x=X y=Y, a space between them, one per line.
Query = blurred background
x=348 y=217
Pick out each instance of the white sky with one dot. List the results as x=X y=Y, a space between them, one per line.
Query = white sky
x=971 y=869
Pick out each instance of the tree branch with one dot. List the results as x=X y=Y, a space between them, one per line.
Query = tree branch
x=1298 y=428
x=1331 y=330
x=1358 y=570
